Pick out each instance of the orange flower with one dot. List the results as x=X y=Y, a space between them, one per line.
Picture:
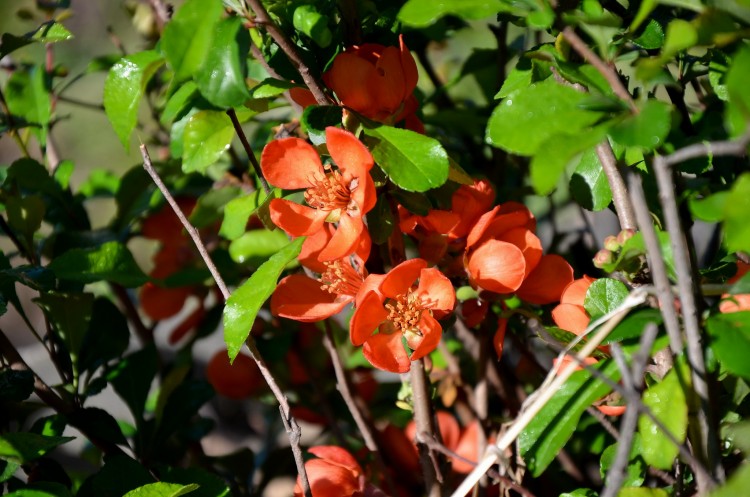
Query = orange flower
x=339 y=195
x=402 y=309
x=570 y=315
x=335 y=473
x=739 y=302
x=503 y=255
x=376 y=81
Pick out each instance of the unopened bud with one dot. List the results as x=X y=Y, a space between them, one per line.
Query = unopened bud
x=625 y=235
x=603 y=258
x=612 y=243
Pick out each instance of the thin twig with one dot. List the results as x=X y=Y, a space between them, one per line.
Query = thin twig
x=424 y=420
x=656 y=264
x=163 y=12
x=737 y=147
x=604 y=69
x=708 y=443
x=262 y=18
x=620 y=197
x=632 y=379
x=290 y=424
x=248 y=150
x=146 y=335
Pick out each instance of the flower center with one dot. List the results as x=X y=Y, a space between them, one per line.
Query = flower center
x=329 y=192
x=341 y=278
x=405 y=311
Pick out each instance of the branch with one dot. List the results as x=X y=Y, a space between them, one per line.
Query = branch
x=604 y=69
x=620 y=198
x=248 y=150
x=290 y=424
x=262 y=18
x=737 y=147
x=423 y=418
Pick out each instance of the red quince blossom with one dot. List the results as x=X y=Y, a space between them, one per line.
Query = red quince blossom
x=376 y=81
x=335 y=473
x=402 y=308
x=340 y=195
x=570 y=315
x=738 y=302
x=503 y=255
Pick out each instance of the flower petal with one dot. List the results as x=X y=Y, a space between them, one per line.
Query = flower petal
x=371 y=284
x=385 y=351
x=570 y=317
x=435 y=287
x=328 y=480
x=368 y=315
x=468 y=448
x=408 y=66
x=546 y=282
x=296 y=219
x=344 y=240
x=529 y=244
x=301 y=298
x=477 y=231
x=402 y=277
x=497 y=266
x=389 y=86
x=290 y=163
x=498 y=340
x=336 y=455
x=349 y=77
x=431 y=334
x=349 y=154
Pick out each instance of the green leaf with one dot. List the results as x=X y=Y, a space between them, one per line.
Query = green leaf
x=181 y=405
x=243 y=305
x=221 y=78
x=668 y=404
x=635 y=471
x=316 y=118
x=580 y=492
x=99 y=425
x=16 y=385
x=681 y=35
x=255 y=246
x=422 y=13
x=555 y=154
x=633 y=324
x=211 y=204
x=69 y=314
x=109 y=481
x=730 y=341
x=550 y=430
x=736 y=227
x=737 y=484
x=124 y=88
x=10 y=43
x=412 y=161
x=207 y=135
x=603 y=296
x=51 y=32
x=270 y=88
x=523 y=122
x=161 y=489
x=107 y=336
x=25 y=215
x=132 y=377
x=642 y=492
x=710 y=208
x=24 y=447
x=308 y=20
x=187 y=36
x=112 y=261
x=237 y=213
x=647 y=129
x=380 y=222
x=210 y=484
x=42 y=489
x=178 y=102
x=651 y=37
x=736 y=83
x=28 y=97
x=589 y=185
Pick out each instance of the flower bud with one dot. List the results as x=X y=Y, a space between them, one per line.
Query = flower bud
x=612 y=243
x=625 y=235
x=603 y=258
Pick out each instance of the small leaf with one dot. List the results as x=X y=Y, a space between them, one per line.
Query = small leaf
x=111 y=261
x=107 y=336
x=603 y=296
x=412 y=161
x=28 y=97
x=16 y=385
x=255 y=246
x=736 y=227
x=550 y=430
x=651 y=37
x=730 y=341
x=554 y=155
x=308 y=20
x=647 y=129
x=633 y=324
x=523 y=122
x=736 y=83
x=737 y=484
x=589 y=185
x=316 y=118
x=69 y=314
x=178 y=102
x=642 y=492
x=124 y=88
x=161 y=489
x=187 y=36
x=237 y=213
x=710 y=208
x=680 y=35
x=270 y=88
x=24 y=447
x=422 y=13
x=635 y=471
x=243 y=305
x=221 y=78
x=667 y=402
x=51 y=32
x=132 y=378
x=207 y=135
x=211 y=485
x=380 y=222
